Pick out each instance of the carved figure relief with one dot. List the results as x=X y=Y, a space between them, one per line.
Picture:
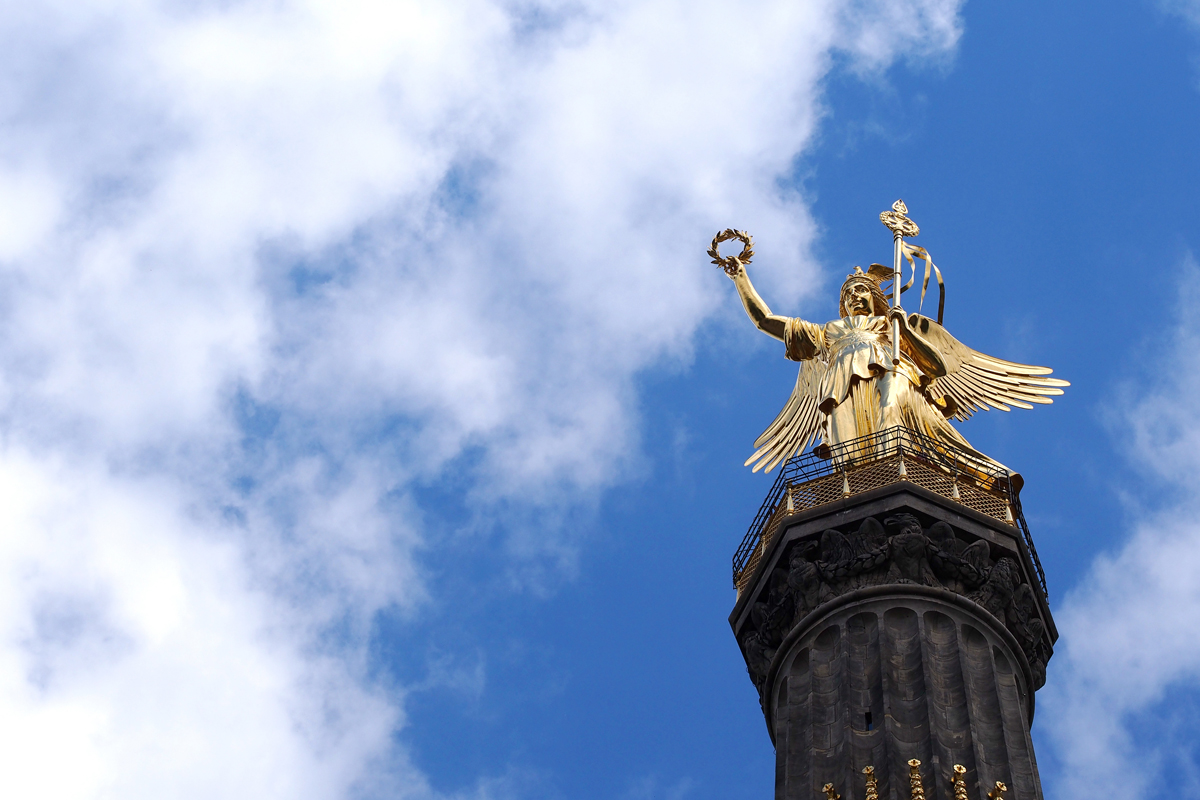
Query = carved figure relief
x=909 y=551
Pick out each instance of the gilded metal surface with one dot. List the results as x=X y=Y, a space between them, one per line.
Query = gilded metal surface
x=830 y=792
x=875 y=367
x=959 y=782
x=916 y=788
x=997 y=793
x=872 y=792
x=901 y=226
x=731 y=264
x=897 y=221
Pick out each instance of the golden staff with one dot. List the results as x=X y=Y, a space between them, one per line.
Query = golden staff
x=901 y=226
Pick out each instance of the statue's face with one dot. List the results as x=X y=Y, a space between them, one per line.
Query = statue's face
x=858 y=300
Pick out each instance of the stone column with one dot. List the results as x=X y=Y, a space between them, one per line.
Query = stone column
x=895 y=626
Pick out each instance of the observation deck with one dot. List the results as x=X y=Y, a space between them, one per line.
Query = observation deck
x=827 y=475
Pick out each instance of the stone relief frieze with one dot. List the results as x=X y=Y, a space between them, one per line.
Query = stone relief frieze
x=897 y=550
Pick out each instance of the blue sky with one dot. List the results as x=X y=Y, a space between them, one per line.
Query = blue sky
x=371 y=419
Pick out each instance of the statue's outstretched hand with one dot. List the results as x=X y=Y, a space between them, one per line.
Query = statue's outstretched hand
x=896 y=312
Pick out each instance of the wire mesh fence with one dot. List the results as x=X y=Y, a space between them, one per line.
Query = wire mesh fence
x=827 y=475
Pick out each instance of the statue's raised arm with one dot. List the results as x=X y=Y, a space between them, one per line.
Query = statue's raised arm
x=735 y=267
x=757 y=309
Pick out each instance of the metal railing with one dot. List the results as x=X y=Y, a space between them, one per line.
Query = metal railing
x=827 y=475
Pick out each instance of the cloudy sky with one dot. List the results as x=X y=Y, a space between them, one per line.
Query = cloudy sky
x=371 y=420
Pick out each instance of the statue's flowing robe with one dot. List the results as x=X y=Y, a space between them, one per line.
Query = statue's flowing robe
x=860 y=393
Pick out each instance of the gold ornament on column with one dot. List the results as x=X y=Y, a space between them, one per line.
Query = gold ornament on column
x=917 y=789
x=872 y=784
x=959 y=781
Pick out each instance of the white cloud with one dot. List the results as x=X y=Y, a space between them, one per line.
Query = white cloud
x=137 y=660
x=1131 y=629
x=265 y=264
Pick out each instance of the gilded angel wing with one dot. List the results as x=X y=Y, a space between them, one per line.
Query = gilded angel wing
x=797 y=425
x=974 y=381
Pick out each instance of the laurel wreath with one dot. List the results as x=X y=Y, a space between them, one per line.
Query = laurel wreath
x=731 y=264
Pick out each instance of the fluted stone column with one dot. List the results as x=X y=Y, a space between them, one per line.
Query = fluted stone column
x=897 y=625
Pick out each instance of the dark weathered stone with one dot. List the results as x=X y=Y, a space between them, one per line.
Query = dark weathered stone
x=897 y=625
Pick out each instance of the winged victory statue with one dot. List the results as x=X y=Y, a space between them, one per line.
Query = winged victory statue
x=876 y=367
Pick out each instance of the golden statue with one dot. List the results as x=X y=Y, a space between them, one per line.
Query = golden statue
x=877 y=368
